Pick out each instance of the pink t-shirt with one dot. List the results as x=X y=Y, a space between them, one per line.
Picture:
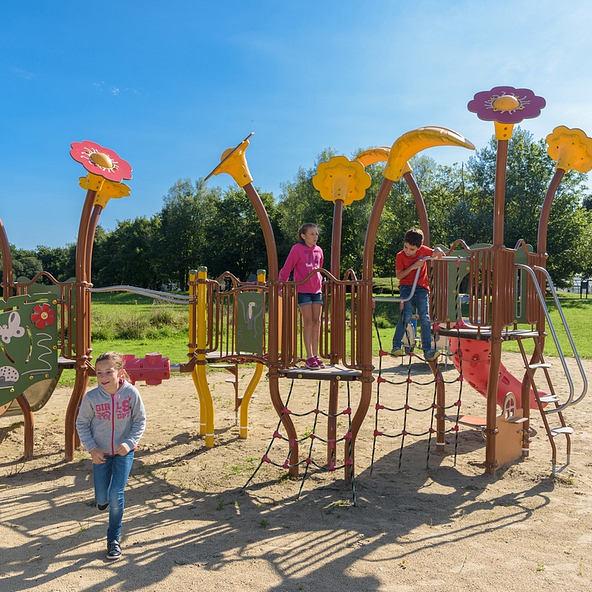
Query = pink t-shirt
x=302 y=260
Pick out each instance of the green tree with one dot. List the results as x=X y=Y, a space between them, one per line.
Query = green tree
x=24 y=262
x=128 y=254
x=187 y=212
x=529 y=172
x=234 y=239
x=60 y=262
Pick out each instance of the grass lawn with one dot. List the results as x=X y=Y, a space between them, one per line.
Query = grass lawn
x=139 y=325
x=577 y=312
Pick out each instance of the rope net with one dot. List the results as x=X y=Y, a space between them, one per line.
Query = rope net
x=309 y=439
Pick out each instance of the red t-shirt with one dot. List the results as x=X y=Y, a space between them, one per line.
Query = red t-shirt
x=403 y=262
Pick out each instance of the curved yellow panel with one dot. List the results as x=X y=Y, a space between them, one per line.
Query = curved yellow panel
x=343 y=179
x=91 y=182
x=571 y=148
x=373 y=155
x=409 y=144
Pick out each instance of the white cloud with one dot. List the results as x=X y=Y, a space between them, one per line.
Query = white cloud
x=23 y=74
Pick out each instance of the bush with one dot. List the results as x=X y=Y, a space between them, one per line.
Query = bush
x=100 y=331
x=383 y=323
x=131 y=327
x=168 y=317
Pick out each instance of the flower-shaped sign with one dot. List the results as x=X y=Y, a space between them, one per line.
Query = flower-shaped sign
x=506 y=104
x=43 y=315
x=571 y=148
x=101 y=161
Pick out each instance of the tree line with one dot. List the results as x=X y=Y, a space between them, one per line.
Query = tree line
x=201 y=225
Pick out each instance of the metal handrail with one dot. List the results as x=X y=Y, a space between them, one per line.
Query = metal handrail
x=174 y=298
x=566 y=371
x=414 y=285
x=568 y=333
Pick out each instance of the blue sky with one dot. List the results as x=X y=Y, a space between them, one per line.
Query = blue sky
x=170 y=85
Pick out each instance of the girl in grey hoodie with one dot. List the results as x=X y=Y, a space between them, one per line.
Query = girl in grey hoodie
x=110 y=422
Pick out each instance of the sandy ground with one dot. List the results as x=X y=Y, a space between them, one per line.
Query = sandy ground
x=421 y=522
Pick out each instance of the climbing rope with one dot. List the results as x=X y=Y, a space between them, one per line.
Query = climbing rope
x=310 y=437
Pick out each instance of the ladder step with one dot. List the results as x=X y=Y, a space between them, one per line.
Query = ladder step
x=541 y=365
x=233 y=380
x=221 y=365
x=548 y=398
x=561 y=430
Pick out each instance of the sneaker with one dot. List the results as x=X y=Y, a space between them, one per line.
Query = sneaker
x=397 y=352
x=311 y=363
x=320 y=362
x=113 y=550
x=431 y=355
x=102 y=507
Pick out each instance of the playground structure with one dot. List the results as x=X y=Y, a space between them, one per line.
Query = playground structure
x=46 y=328
x=507 y=287
x=252 y=322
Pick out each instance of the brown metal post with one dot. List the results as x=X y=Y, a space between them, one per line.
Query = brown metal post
x=496 y=304
x=337 y=334
x=337 y=328
x=546 y=210
x=82 y=322
x=29 y=424
x=364 y=326
x=420 y=205
x=7 y=277
x=273 y=301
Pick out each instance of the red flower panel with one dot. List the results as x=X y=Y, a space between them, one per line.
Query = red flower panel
x=101 y=161
x=43 y=315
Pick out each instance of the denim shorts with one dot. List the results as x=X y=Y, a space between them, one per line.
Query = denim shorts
x=305 y=298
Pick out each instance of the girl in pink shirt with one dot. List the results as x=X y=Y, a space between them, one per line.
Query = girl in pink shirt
x=305 y=257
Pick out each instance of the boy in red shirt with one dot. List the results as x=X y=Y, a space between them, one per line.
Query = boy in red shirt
x=408 y=261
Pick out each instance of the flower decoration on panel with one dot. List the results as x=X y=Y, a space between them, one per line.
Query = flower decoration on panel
x=101 y=161
x=506 y=104
x=43 y=315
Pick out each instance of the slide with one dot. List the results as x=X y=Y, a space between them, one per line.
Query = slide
x=476 y=361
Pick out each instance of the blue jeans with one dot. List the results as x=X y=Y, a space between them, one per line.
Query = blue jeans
x=421 y=300
x=110 y=479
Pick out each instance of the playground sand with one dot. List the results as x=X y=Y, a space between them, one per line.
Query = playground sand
x=189 y=526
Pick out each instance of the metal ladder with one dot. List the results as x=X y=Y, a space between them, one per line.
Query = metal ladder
x=538 y=362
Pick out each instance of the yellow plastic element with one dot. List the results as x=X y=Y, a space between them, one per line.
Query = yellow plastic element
x=571 y=148
x=342 y=179
x=101 y=159
x=506 y=103
x=380 y=154
x=244 y=406
x=373 y=155
x=409 y=144
x=503 y=131
x=91 y=182
x=111 y=190
x=198 y=374
x=234 y=162
x=193 y=294
x=106 y=189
